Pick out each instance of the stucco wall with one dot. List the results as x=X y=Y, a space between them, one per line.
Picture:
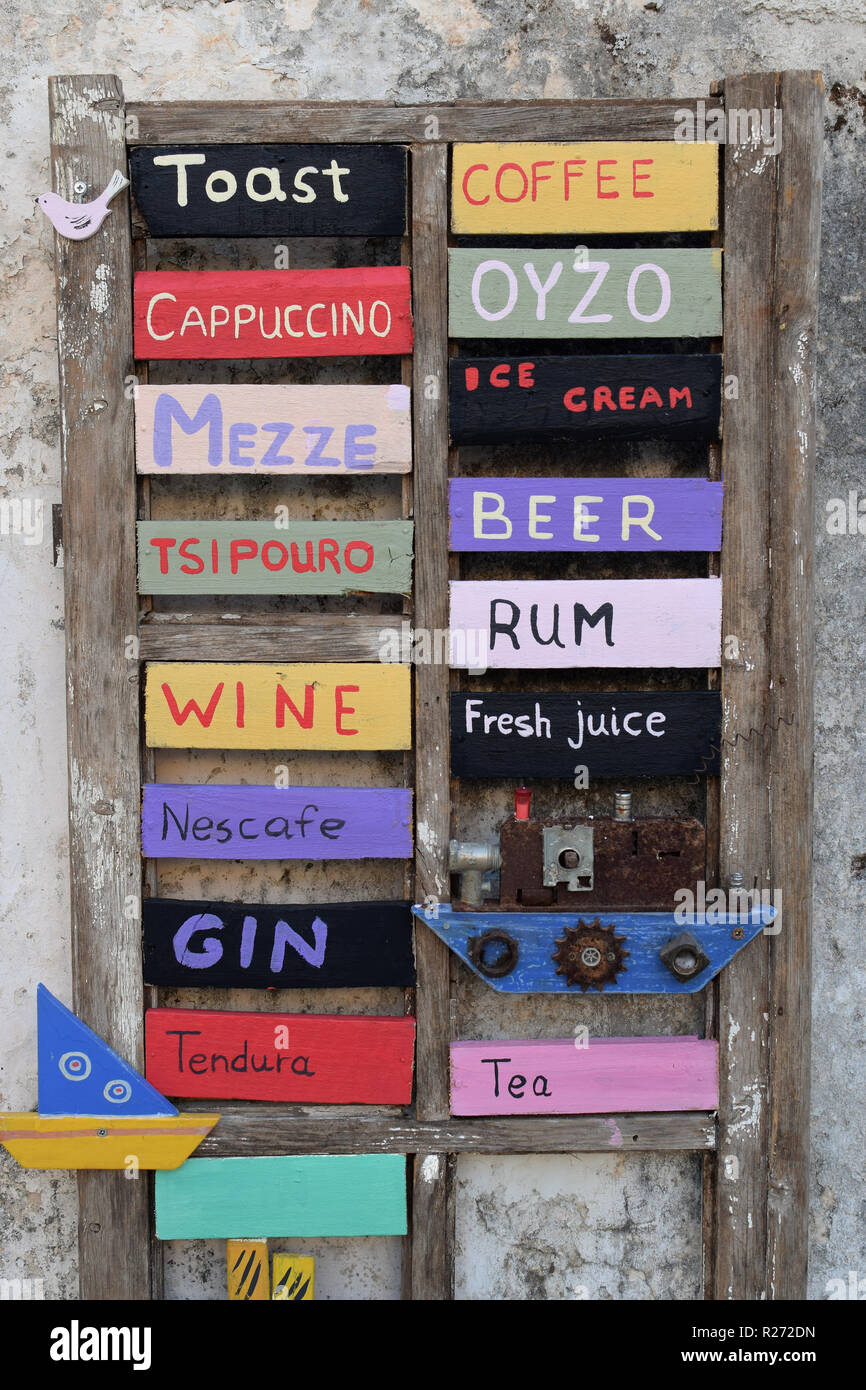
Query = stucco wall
x=527 y=1228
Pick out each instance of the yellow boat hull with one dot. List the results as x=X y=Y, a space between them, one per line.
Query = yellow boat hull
x=74 y=1141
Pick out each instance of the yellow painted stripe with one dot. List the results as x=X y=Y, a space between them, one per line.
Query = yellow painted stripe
x=102 y=1132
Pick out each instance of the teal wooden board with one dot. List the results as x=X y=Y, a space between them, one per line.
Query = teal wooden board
x=253 y=1198
x=259 y=557
x=606 y=293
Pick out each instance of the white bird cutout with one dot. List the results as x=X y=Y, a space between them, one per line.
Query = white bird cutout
x=80 y=220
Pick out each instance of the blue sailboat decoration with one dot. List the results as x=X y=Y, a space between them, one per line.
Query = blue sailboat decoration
x=95 y=1110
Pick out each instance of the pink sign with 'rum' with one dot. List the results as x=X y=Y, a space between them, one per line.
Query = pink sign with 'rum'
x=586 y=622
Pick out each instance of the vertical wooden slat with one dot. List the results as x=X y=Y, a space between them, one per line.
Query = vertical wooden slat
x=749 y=217
x=433 y=1195
x=147 y=766
x=94 y=331
x=792 y=445
x=407 y=510
x=709 y=1166
x=432 y=1216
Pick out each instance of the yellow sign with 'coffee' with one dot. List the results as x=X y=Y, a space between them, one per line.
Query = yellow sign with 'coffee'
x=599 y=186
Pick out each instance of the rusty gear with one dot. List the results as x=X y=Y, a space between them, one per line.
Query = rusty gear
x=590 y=955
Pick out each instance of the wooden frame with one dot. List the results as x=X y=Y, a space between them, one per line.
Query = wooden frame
x=756 y=1173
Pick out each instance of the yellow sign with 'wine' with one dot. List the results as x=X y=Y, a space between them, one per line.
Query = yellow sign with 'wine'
x=216 y=705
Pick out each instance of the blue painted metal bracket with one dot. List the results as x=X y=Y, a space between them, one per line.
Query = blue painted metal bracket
x=535 y=971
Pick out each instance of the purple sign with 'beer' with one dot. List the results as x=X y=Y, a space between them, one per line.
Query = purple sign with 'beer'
x=585 y=514
x=214 y=822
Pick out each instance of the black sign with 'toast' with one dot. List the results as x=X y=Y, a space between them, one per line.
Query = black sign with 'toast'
x=290 y=946
x=611 y=734
x=675 y=395
x=270 y=190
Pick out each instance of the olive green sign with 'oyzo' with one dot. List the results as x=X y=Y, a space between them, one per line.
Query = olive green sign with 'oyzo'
x=591 y=293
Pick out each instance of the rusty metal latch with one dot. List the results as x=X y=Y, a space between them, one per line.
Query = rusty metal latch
x=568 y=857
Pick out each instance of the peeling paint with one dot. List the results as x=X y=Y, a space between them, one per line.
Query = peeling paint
x=431 y=1168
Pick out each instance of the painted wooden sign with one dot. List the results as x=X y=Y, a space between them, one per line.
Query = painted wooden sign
x=267 y=946
x=242 y=822
x=95 y=1111
x=247 y=1271
x=270 y=190
x=587 y=622
x=610 y=733
x=599 y=293
x=272 y=313
x=294 y=1279
x=290 y=431
x=297 y=1195
x=585 y=514
x=612 y=952
x=648 y=395
x=596 y=1076
x=599 y=186
x=335 y=1058
x=258 y=557
x=205 y=704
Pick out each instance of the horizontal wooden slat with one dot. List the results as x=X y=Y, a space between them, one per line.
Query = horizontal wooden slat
x=268 y=1130
x=323 y=704
x=271 y=190
x=259 y=557
x=303 y=637
x=674 y=189
x=550 y=1076
x=285 y=1195
x=304 y=1058
x=201 y=821
x=187 y=122
x=611 y=292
